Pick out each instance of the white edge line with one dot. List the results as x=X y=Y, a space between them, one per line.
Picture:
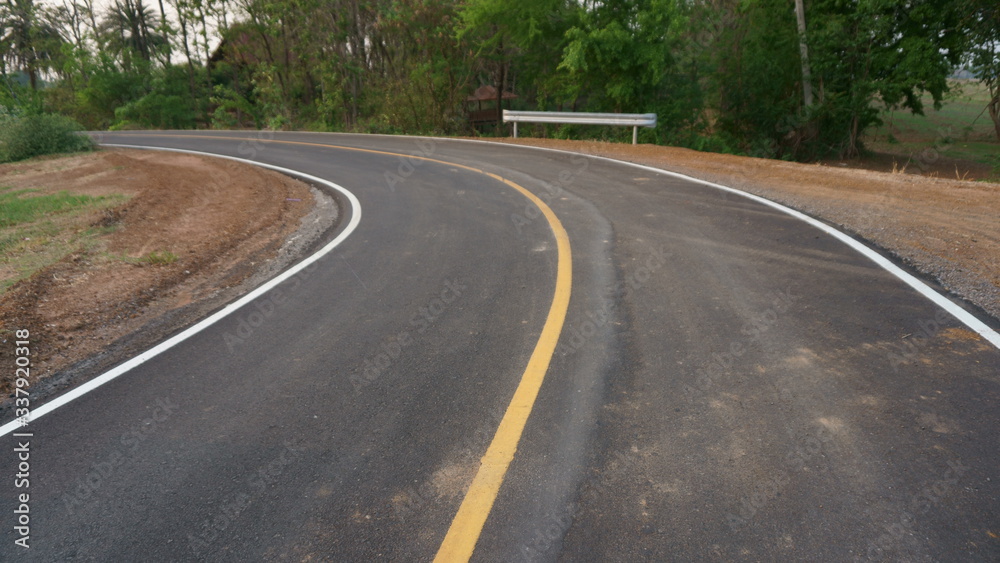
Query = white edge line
x=959 y=313
x=966 y=318
x=219 y=315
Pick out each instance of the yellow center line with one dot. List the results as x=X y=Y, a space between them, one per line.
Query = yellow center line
x=466 y=527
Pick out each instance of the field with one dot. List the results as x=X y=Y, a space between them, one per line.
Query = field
x=39 y=228
x=960 y=131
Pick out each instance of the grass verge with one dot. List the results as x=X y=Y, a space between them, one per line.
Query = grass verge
x=38 y=229
x=961 y=129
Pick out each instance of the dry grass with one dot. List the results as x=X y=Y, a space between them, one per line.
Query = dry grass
x=39 y=228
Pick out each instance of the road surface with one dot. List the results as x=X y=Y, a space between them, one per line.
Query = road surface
x=727 y=383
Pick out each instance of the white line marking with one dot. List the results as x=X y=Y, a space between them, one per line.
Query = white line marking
x=966 y=318
x=226 y=311
x=909 y=279
x=959 y=313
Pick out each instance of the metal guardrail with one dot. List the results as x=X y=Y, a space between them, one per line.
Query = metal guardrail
x=633 y=120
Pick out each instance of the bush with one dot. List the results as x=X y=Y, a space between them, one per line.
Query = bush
x=157 y=111
x=168 y=103
x=33 y=135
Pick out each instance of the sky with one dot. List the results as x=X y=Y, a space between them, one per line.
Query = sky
x=102 y=7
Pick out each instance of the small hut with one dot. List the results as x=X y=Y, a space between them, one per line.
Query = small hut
x=482 y=106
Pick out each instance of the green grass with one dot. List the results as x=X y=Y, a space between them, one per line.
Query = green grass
x=155 y=257
x=15 y=209
x=960 y=129
x=164 y=257
x=37 y=230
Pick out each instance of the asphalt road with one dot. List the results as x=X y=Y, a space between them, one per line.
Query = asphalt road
x=729 y=383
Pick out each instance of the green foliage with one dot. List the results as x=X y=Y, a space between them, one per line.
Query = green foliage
x=889 y=50
x=627 y=56
x=34 y=135
x=523 y=36
x=982 y=19
x=622 y=51
x=17 y=98
x=232 y=109
x=712 y=143
x=156 y=111
x=721 y=75
x=757 y=75
x=168 y=105
x=16 y=209
x=160 y=257
x=860 y=52
x=108 y=88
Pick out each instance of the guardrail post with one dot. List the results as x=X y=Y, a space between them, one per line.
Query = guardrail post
x=635 y=135
x=515 y=129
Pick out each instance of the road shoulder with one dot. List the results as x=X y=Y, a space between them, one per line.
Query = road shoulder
x=223 y=228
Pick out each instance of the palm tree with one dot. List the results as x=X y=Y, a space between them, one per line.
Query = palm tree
x=128 y=28
x=28 y=40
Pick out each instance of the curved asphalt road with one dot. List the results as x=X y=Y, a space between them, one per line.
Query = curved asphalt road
x=730 y=384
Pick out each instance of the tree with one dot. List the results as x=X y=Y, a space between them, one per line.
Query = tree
x=28 y=38
x=861 y=54
x=621 y=51
x=518 y=38
x=982 y=19
x=129 y=28
x=887 y=50
x=424 y=69
x=800 y=18
x=755 y=76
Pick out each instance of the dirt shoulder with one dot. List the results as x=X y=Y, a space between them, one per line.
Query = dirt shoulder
x=947 y=229
x=194 y=233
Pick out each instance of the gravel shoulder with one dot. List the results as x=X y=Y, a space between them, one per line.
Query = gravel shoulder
x=227 y=227
x=949 y=230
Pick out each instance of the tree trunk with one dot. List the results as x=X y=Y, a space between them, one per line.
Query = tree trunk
x=182 y=21
x=89 y=4
x=208 y=52
x=501 y=79
x=851 y=150
x=164 y=29
x=807 y=92
x=145 y=41
x=994 y=108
